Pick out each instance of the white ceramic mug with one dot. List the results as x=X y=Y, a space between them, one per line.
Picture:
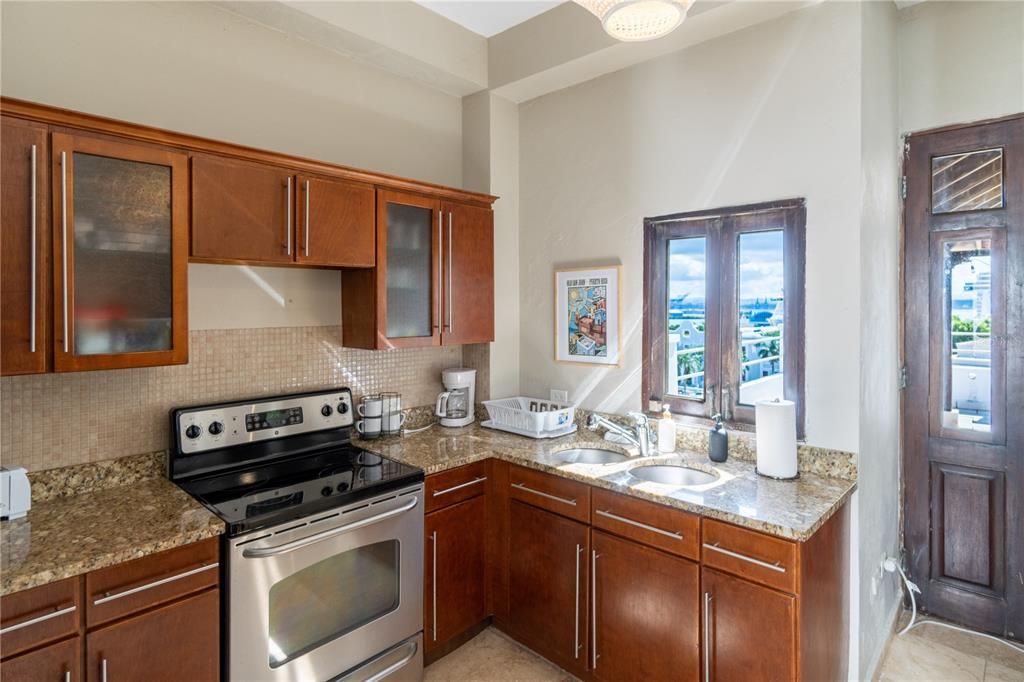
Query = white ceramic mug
x=369 y=426
x=393 y=422
x=370 y=408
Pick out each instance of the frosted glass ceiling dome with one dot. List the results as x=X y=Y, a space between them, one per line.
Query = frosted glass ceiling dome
x=637 y=20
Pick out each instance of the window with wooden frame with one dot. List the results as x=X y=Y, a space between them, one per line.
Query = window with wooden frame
x=724 y=309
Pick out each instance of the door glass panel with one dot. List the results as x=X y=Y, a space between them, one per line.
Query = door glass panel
x=409 y=251
x=122 y=255
x=967 y=182
x=687 y=295
x=332 y=598
x=759 y=289
x=967 y=365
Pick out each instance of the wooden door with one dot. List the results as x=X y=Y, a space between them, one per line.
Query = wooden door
x=749 y=631
x=120 y=245
x=647 y=621
x=548 y=580
x=468 y=274
x=335 y=226
x=242 y=212
x=24 y=248
x=180 y=641
x=455 y=596
x=963 y=439
x=60 y=662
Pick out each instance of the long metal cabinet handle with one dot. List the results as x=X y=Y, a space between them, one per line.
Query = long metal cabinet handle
x=764 y=564
x=155 y=583
x=103 y=670
x=264 y=552
x=397 y=665
x=306 y=237
x=707 y=637
x=433 y=582
x=451 y=248
x=653 y=529
x=593 y=609
x=440 y=267
x=288 y=217
x=478 y=479
x=64 y=241
x=32 y=317
x=38 y=619
x=520 y=486
x=67 y=676
x=576 y=637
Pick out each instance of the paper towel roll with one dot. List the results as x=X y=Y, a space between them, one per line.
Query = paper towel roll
x=776 y=438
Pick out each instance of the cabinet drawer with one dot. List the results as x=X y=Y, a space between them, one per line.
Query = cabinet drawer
x=144 y=583
x=556 y=494
x=653 y=524
x=54 y=663
x=39 y=615
x=755 y=556
x=455 y=485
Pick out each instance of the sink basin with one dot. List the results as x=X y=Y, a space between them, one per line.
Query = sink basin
x=673 y=475
x=591 y=456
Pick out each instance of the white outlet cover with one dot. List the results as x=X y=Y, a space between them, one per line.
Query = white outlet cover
x=559 y=396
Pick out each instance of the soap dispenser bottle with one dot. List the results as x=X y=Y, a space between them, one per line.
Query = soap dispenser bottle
x=666 y=431
x=718 y=441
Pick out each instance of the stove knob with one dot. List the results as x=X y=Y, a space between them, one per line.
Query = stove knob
x=326 y=410
x=342 y=408
x=216 y=428
x=342 y=487
x=193 y=431
x=327 y=490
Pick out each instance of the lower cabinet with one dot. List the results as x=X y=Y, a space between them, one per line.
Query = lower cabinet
x=748 y=630
x=644 y=611
x=548 y=580
x=60 y=662
x=455 y=587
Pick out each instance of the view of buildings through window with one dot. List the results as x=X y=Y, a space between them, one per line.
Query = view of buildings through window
x=968 y=284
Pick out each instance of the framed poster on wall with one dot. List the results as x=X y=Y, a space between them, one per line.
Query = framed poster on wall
x=587 y=315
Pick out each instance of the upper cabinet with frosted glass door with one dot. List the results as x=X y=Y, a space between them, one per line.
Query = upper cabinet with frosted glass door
x=120 y=250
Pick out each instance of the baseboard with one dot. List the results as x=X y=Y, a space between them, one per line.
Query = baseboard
x=893 y=619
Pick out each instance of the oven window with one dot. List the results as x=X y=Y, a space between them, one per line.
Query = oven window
x=332 y=598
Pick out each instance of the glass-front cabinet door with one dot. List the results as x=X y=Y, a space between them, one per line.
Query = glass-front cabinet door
x=120 y=254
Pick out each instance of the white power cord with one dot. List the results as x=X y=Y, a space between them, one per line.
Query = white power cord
x=891 y=566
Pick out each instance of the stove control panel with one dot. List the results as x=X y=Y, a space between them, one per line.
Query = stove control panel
x=219 y=426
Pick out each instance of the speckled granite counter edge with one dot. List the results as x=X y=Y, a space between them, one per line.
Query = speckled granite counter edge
x=78 y=479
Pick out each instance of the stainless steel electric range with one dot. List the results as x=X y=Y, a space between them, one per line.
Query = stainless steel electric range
x=324 y=541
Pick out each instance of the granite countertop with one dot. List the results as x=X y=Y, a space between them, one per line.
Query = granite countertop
x=788 y=509
x=67 y=536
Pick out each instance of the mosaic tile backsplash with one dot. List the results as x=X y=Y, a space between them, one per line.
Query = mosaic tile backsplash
x=57 y=420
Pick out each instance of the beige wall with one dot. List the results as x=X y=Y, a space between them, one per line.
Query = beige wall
x=766 y=113
x=960 y=62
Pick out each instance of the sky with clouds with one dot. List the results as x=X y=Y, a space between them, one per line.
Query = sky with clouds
x=760 y=266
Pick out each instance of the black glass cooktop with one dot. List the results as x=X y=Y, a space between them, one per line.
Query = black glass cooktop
x=290 y=488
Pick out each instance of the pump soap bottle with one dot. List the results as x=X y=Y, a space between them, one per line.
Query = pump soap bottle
x=666 y=431
x=718 y=441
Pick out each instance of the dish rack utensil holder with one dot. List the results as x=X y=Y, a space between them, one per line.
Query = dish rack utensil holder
x=530 y=414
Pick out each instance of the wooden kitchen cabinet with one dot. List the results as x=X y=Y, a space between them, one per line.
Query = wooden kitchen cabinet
x=24 y=248
x=120 y=254
x=60 y=662
x=455 y=588
x=468 y=274
x=335 y=223
x=548 y=582
x=645 y=607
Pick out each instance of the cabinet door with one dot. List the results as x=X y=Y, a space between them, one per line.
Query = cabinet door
x=468 y=274
x=180 y=642
x=120 y=254
x=336 y=225
x=242 y=212
x=548 y=574
x=24 y=248
x=455 y=595
x=749 y=631
x=60 y=662
x=645 y=606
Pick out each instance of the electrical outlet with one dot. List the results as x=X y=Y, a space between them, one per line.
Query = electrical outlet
x=874 y=586
x=559 y=396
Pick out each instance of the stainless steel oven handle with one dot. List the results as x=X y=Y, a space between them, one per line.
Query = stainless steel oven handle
x=397 y=665
x=264 y=552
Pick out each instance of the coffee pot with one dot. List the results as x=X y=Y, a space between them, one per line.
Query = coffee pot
x=455 y=403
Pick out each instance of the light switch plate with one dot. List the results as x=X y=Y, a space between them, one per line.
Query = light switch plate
x=559 y=396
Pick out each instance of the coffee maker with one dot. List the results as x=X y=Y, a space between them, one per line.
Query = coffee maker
x=455 y=404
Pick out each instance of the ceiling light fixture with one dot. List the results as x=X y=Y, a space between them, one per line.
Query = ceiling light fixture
x=637 y=20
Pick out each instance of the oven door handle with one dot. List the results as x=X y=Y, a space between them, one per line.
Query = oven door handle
x=264 y=552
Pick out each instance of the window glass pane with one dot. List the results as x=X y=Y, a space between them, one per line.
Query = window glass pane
x=410 y=230
x=967 y=285
x=332 y=598
x=687 y=287
x=967 y=182
x=759 y=290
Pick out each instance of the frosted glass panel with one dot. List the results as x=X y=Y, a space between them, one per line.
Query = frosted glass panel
x=759 y=288
x=409 y=270
x=687 y=296
x=122 y=255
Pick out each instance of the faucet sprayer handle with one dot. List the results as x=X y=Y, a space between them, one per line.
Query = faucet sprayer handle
x=592 y=422
x=639 y=418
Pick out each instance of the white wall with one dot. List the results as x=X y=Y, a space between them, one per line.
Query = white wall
x=960 y=62
x=770 y=112
x=194 y=68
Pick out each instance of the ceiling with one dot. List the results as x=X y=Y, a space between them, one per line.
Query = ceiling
x=489 y=17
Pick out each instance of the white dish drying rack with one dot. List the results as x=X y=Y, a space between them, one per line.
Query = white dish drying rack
x=530 y=417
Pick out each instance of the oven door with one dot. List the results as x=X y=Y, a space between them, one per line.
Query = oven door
x=310 y=599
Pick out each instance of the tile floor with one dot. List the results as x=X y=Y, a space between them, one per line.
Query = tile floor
x=926 y=654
